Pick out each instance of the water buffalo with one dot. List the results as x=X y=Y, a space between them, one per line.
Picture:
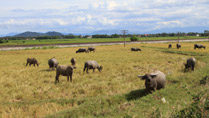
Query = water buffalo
x=199 y=46
x=32 y=61
x=178 y=45
x=135 y=49
x=91 y=65
x=190 y=64
x=170 y=46
x=91 y=49
x=53 y=63
x=73 y=62
x=64 y=71
x=82 y=50
x=154 y=81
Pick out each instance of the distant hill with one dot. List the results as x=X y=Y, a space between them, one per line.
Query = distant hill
x=35 y=34
x=54 y=34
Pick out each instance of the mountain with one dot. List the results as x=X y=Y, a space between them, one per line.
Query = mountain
x=29 y=34
x=53 y=33
x=35 y=34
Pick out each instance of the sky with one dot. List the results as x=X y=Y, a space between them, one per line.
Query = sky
x=86 y=16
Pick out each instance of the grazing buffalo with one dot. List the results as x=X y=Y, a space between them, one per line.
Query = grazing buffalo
x=32 y=61
x=80 y=50
x=64 y=71
x=190 y=64
x=135 y=49
x=199 y=46
x=178 y=45
x=73 y=62
x=53 y=63
x=170 y=46
x=154 y=81
x=91 y=49
x=91 y=65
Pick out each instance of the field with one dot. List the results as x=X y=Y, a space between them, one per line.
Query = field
x=85 y=40
x=30 y=92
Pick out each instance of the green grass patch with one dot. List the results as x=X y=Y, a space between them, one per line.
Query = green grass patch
x=86 y=40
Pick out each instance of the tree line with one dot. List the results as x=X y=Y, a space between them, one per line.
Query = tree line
x=71 y=36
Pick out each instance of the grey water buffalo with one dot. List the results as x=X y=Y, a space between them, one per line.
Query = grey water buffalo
x=170 y=46
x=32 y=61
x=154 y=81
x=73 y=62
x=190 y=64
x=64 y=70
x=178 y=45
x=91 y=65
x=91 y=49
x=135 y=49
x=53 y=63
x=199 y=46
x=80 y=50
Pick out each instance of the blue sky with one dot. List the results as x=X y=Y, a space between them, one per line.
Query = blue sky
x=85 y=16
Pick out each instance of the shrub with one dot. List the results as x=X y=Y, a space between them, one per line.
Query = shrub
x=134 y=38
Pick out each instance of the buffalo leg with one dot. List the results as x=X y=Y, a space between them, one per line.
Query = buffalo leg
x=71 y=78
x=84 y=69
x=56 y=79
x=68 y=78
x=87 y=70
x=192 y=67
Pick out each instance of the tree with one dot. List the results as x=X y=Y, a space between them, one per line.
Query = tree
x=134 y=38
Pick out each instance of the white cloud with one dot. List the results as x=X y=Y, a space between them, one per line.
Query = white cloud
x=78 y=20
x=85 y=15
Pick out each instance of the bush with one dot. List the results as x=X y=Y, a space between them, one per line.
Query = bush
x=198 y=109
x=134 y=38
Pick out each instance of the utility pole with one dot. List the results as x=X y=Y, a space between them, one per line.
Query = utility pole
x=124 y=36
x=178 y=37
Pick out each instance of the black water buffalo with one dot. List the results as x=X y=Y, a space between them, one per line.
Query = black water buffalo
x=53 y=63
x=80 y=50
x=178 y=45
x=199 y=46
x=64 y=70
x=135 y=49
x=91 y=65
x=170 y=46
x=154 y=81
x=190 y=64
x=91 y=49
x=32 y=61
x=73 y=62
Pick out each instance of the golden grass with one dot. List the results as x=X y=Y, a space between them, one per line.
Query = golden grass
x=119 y=75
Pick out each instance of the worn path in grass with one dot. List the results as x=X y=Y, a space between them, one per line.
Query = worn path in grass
x=20 y=47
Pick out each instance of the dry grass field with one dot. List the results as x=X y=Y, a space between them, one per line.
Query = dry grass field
x=30 y=92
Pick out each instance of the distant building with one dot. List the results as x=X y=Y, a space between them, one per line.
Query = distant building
x=146 y=35
x=89 y=37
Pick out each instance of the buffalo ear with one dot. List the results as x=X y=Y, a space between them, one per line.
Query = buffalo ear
x=141 y=76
